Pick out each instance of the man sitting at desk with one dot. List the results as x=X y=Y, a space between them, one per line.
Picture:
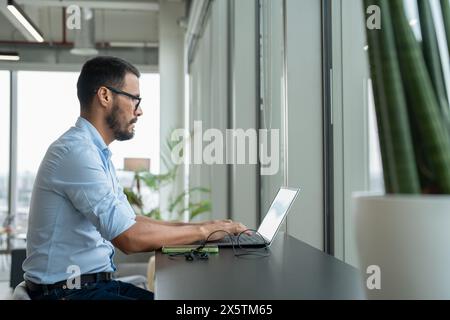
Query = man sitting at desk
x=78 y=208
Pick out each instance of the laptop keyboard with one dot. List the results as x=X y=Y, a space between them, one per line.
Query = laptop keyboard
x=243 y=239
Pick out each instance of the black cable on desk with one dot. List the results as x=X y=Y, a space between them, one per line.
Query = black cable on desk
x=197 y=254
x=253 y=252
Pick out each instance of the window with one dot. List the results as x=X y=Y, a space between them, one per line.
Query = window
x=271 y=90
x=48 y=107
x=145 y=143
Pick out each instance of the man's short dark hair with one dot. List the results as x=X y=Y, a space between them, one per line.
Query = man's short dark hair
x=102 y=71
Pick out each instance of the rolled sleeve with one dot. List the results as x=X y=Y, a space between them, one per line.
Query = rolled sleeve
x=86 y=182
x=124 y=200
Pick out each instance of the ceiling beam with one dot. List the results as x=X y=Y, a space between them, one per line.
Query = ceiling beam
x=110 y=4
x=43 y=55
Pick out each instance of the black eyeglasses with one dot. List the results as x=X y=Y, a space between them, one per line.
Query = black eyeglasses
x=129 y=95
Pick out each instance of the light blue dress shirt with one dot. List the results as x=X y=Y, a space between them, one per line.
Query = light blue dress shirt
x=77 y=208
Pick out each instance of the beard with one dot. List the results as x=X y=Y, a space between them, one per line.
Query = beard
x=121 y=132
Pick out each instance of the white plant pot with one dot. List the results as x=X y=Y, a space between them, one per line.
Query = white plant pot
x=408 y=238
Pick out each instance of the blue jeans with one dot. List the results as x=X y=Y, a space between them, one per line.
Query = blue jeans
x=102 y=290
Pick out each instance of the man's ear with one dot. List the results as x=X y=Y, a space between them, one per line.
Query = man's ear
x=104 y=97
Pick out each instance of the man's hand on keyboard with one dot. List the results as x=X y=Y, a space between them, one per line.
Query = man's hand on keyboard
x=227 y=226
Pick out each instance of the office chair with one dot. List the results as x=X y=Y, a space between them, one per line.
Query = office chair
x=20 y=292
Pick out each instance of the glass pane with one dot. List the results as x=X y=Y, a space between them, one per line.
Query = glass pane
x=4 y=152
x=271 y=85
x=47 y=107
x=45 y=112
x=145 y=143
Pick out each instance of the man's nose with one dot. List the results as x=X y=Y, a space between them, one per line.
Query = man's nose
x=139 y=111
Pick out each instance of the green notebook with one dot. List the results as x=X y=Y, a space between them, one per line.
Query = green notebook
x=189 y=248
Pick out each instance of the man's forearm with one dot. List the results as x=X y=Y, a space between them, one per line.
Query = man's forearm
x=148 y=235
x=166 y=223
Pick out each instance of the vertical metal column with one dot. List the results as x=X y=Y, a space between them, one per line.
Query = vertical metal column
x=258 y=107
x=230 y=115
x=328 y=171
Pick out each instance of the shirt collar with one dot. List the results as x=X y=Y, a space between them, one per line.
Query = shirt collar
x=86 y=126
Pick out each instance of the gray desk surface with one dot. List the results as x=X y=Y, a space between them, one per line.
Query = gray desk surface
x=294 y=270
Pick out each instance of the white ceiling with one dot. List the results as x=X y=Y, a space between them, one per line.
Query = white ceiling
x=124 y=25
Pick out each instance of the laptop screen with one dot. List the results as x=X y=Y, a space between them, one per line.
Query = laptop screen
x=277 y=212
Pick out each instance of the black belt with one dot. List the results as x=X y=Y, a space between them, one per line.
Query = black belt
x=84 y=279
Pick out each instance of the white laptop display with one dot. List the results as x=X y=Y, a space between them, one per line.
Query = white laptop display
x=270 y=225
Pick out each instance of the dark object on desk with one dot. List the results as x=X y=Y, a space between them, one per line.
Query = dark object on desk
x=190 y=253
x=17 y=258
x=189 y=248
x=196 y=255
x=294 y=270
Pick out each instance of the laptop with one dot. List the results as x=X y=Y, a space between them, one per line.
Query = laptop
x=270 y=225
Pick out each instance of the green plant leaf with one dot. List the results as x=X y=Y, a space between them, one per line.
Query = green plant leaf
x=196 y=209
x=445 y=5
x=179 y=199
x=203 y=207
x=433 y=59
x=423 y=104
x=399 y=166
x=134 y=199
x=156 y=181
x=154 y=214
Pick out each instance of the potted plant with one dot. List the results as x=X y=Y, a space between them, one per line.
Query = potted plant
x=177 y=206
x=406 y=232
